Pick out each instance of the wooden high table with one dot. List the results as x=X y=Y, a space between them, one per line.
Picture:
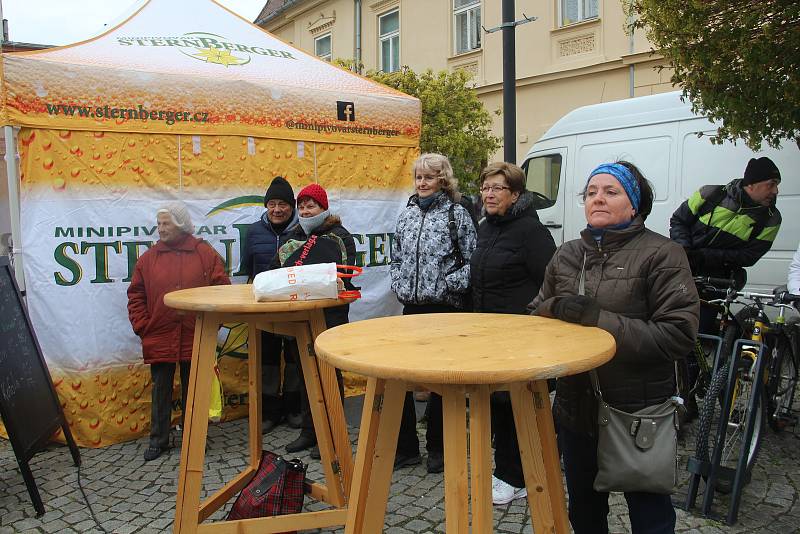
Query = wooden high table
x=462 y=355
x=304 y=320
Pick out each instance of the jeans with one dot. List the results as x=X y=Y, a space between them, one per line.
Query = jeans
x=650 y=513
x=163 y=376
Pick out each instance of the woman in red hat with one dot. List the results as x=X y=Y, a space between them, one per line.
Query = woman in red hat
x=318 y=238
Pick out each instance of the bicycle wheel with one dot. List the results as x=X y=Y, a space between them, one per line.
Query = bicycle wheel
x=733 y=444
x=782 y=385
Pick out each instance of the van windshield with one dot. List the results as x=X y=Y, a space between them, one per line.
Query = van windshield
x=543 y=176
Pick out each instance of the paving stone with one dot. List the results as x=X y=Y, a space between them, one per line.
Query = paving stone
x=129 y=495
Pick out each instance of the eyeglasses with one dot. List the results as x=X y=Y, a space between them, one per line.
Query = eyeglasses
x=493 y=188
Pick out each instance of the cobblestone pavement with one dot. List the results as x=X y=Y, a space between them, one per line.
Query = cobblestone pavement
x=129 y=495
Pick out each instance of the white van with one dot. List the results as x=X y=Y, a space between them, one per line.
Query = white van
x=659 y=134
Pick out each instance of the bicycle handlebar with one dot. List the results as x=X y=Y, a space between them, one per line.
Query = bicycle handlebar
x=719 y=283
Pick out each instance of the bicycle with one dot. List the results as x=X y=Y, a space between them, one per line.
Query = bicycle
x=734 y=406
x=707 y=348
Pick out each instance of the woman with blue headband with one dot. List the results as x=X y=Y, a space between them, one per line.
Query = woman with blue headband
x=635 y=284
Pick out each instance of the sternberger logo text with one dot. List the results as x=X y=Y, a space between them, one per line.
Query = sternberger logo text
x=208 y=47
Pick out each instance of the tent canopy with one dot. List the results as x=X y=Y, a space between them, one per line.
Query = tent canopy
x=194 y=67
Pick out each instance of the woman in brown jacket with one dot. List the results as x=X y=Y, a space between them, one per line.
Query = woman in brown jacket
x=177 y=261
x=639 y=288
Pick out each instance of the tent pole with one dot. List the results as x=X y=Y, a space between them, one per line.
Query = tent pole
x=13 y=202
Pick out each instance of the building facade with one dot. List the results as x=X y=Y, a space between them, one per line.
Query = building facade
x=575 y=52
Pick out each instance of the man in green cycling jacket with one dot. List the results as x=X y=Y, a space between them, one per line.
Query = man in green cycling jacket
x=724 y=228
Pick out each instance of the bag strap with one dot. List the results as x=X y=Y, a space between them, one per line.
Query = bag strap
x=453 y=228
x=272 y=478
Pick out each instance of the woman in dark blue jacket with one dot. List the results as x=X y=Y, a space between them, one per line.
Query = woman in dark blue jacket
x=506 y=270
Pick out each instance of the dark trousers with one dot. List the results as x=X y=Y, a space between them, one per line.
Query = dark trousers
x=407 y=440
x=277 y=401
x=163 y=376
x=649 y=513
x=507 y=463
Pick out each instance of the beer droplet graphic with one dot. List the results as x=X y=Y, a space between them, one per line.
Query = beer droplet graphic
x=134 y=426
x=47 y=145
x=75 y=172
x=28 y=138
x=120 y=420
x=65 y=134
x=94 y=423
x=47 y=163
x=220 y=156
x=99 y=135
x=131 y=143
x=84 y=404
x=59 y=184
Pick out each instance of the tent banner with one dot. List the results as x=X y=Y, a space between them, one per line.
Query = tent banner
x=88 y=210
x=212 y=72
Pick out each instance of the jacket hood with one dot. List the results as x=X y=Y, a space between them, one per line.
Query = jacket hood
x=292 y=222
x=187 y=243
x=522 y=207
x=735 y=190
x=613 y=238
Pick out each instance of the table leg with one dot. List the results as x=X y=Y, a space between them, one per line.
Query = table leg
x=333 y=406
x=480 y=450
x=193 y=448
x=456 y=493
x=377 y=445
x=552 y=461
x=545 y=500
x=322 y=428
x=255 y=439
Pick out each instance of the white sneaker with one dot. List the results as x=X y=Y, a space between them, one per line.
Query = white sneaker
x=504 y=493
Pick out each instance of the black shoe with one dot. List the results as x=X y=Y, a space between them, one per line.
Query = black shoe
x=402 y=460
x=268 y=426
x=315 y=455
x=435 y=462
x=294 y=420
x=302 y=443
x=153 y=452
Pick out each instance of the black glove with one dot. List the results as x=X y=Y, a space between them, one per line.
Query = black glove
x=578 y=309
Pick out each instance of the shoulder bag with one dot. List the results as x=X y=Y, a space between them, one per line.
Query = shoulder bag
x=636 y=452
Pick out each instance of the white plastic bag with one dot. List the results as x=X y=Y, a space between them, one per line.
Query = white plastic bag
x=302 y=282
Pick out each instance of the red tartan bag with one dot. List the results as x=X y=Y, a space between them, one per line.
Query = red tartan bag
x=276 y=489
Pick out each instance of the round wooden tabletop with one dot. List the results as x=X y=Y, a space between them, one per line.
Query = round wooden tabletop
x=465 y=348
x=238 y=298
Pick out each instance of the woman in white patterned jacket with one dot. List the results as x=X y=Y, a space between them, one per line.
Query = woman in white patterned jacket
x=430 y=274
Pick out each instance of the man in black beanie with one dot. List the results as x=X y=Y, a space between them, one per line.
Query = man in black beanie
x=263 y=239
x=725 y=228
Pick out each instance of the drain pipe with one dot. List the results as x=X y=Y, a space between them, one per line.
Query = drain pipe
x=632 y=67
x=357 y=22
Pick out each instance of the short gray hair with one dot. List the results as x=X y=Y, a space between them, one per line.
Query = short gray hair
x=180 y=215
x=439 y=165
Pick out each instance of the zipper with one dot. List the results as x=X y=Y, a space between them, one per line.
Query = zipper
x=416 y=278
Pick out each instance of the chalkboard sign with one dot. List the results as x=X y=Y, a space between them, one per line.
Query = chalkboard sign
x=29 y=405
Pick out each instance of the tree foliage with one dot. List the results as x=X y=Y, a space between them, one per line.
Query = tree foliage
x=454 y=122
x=737 y=61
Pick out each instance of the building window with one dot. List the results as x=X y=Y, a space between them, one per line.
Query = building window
x=573 y=11
x=467 y=25
x=389 y=36
x=322 y=47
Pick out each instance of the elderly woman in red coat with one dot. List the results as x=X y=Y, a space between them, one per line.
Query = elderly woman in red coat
x=177 y=261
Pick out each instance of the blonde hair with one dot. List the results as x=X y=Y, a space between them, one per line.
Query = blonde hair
x=440 y=166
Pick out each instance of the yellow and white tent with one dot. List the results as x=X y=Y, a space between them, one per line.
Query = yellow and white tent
x=184 y=100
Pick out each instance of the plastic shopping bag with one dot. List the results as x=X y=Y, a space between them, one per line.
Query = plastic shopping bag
x=215 y=407
x=299 y=282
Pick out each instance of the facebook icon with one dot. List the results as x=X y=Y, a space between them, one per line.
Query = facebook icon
x=345 y=111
